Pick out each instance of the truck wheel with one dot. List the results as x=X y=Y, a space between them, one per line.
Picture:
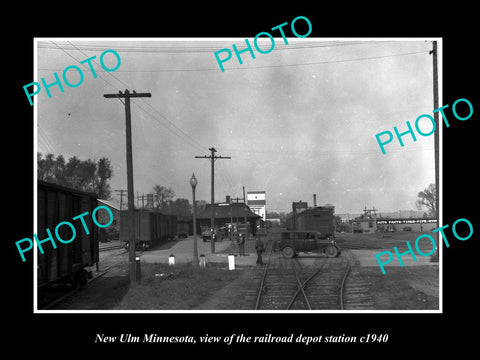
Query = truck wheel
x=288 y=252
x=331 y=251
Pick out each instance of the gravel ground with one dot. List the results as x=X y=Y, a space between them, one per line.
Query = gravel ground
x=413 y=287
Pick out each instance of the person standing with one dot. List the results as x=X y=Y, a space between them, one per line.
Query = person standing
x=241 y=244
x=260 y=248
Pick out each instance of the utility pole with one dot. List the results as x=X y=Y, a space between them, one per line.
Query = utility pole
x=436 y=134
x=244 y=204
x=121 y=197
x=212 y=158
x=131 y=213
x=231 y=217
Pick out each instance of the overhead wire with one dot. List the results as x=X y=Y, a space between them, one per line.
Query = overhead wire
x=188 y=139
x=208 y=49
x=268 y=66
x=193 y=142
x=45 y=140
x=42 y=147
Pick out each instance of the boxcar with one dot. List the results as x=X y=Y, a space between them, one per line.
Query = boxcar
x=151 y=227
x=319 y=219
x=67 y=262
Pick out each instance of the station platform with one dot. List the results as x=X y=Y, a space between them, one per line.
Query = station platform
x=183 y=252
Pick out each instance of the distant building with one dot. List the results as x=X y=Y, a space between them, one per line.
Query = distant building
x=413 y=224
x=112 y=232
x=225 y=213
x=364 y=225
x=256 y=201
x=103 y=217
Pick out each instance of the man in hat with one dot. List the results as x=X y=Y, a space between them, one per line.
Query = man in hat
x=260 y=248
x=241 y=244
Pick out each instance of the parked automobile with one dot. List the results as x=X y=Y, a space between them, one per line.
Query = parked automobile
x=407 y=228
x=293 y=242
x=219 y=232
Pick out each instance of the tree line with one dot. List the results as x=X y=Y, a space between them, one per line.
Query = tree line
x=94 y=176
x=86 y=175
x=163 y=200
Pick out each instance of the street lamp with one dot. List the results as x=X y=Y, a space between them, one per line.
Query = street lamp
x=193 y=183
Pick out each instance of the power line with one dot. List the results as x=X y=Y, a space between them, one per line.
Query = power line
x=186 y=141
x=110 y=73
x=267 y=66
x=291 y=152
x=210 y=49
x=190 y=138
x=149 y=105
x=45 y=140
x=191 y=141
x=42 y=147
x=84 y=65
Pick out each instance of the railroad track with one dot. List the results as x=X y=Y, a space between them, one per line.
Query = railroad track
x=290 y=284
x=111 y=266
x=114 y=247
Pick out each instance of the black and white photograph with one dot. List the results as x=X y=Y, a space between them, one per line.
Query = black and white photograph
x=222 y=184
x=298 y=205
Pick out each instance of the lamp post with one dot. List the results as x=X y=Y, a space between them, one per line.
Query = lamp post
x=193 y=183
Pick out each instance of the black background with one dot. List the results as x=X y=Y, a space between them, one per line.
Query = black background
x=65 y=335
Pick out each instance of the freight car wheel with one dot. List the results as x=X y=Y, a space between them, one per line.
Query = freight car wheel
x=331 y=251
x=288 y=252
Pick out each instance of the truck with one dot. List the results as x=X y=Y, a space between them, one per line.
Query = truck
x=207 y=231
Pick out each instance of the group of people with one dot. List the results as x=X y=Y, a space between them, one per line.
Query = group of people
x=259 y=247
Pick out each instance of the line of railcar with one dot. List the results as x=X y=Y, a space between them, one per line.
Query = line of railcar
x=67 y=262
x=151 y=228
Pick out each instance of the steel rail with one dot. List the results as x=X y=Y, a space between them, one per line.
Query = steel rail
x=111 y=248
x=262 y=283
x=342 y=285
x=301 y=288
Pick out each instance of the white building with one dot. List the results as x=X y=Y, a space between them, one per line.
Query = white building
x=257 y=203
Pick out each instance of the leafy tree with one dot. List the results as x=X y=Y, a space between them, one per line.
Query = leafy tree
x=340 y=225
x=87 y=175
x=200 y=206
x=180 y=207
x=102 y=174
x=46 y=167
x=428 y=198
x=162 y=196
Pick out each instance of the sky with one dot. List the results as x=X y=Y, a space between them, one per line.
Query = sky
x=298 y=121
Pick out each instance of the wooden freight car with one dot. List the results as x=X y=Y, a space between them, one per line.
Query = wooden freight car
x=67 y=262
x=319 y=219
x=151 y=228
